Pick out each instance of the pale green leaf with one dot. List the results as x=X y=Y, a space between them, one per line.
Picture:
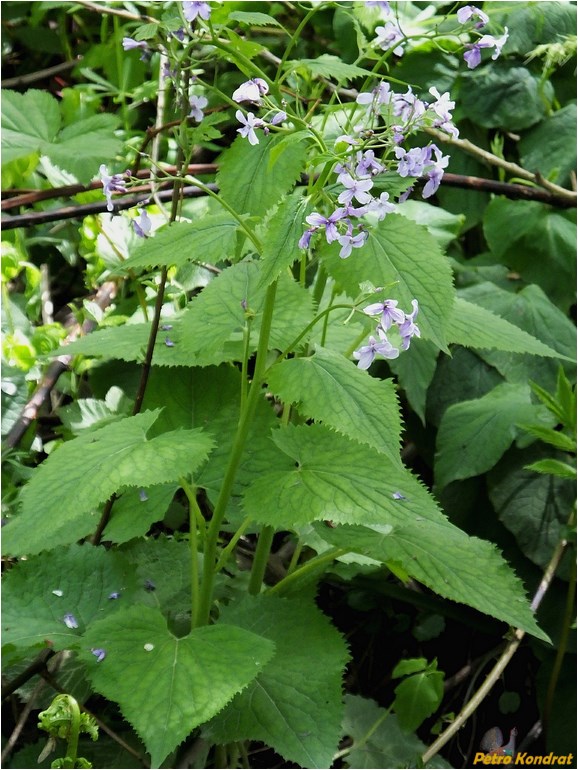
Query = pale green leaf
x=179 y=683
x=405 y=259
x=328 y=388
x=473 y=435
x=332 y=67
x=210 y=239
x=448 y=561
x=550 y=436
x=133 y=513
x=284 y=230
x=415 y=369
x=295 y=704
x=83 y=473
x=475 y=327
x=255 y=18
x=418 y=696
x=351 y=483
x=86 y=576
x=554 y=468
x=29 y=120
x=250 y=182
x=81 y=147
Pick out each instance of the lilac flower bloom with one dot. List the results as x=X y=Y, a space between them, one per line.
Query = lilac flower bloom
x=142 y=495
x=367 y=164
x=278 y=118
x=465 y=14
x=198 y=103
x=381 y=206
x=349 y=242
x=473 y=57
x=383 y=6
x=306 y=238
x=499 y=43
x=380 y=95
x=192 y=9
x=331 y=231
x=164 y=328
x=70 y=621
x=98 y=653
x=356 y=188
x=110 y=185
x=398 y=496
x=389 y=312
x=114 y=595
x=142 y=224
x=411 y=162
x=409 y=328
x=442 y=104
x=128 y=43
x=407 y=106
x=389 y=36
x=435 y=171
x=179 y=34
x=367 y=353
x=405 y=195
x=169 y=343
x=251 y=91
x=250 y=123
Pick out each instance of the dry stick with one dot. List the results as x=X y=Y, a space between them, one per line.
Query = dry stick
x=32 y=77
x=104 y=296
x=501 y=663
x=11 y=742
x=37 y=665
x=102 y=9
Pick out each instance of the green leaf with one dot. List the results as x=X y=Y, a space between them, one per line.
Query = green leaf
x=33 y=614
x=283 y=232
x=415 y=370
x=442 y=225
x=418 y=696
x=168 y=690
x=475 y=327
x=250 y=182
x=473 y=435
x=28 y=121
x=330 y=389
x=445 y=559
x=255 y=18
x=378 y=740
x=352 y=483
x=554 y=468
x=549 y=145
x=330 y=67
x=550 y=436
x=211 y=239
x=84 y=145
x=133 y=514
x=404 y=258
x=295 y=704
x=83 y=473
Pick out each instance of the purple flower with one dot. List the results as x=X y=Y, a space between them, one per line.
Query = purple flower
x=367 y=164
x=198 y=103
x=331 y=231
x=128 y=43
x=111 y=184
x=70 y=621
x=142 y=224
x=411 y=162
x=306 y=238
x=380 y=95
x=473 y=57
x=435 y=171
x=349 y=242
x=389 y=312
x=98 y=653
x=389 y=36
x=278 y=117
x=383 y=6
x=398 y=496
x=356 y=188
x=142 y=495
x=169 y=343
x=409 y=328
x=114 y=595
x=179 y=34
x=251 y=91
x=442 y=105
x=250 y=123
x=381 y=206
x=407 y=106
x=192 y=9
x=465 y=14
x=165 y=328
x=365 y=355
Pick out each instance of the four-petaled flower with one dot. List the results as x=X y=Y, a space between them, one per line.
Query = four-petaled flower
x=465 y=14
x=388 y=36
x=349 y=242
x=250 y=123
x=198 y=103
x=128 y=43
x=251 y=91
x=111 y=184
x=382 y=347
x=192 y=9
x=142 y=224
x=355 y=188
x=331 y=231
x=409 y=328
x=473 y=56
x=389 y=312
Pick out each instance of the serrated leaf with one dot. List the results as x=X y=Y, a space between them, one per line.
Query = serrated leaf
x=415 y=370
x=406 y=259
x=33 y=614
x=550 y=436
x=352 y=483
x=554 y=468
x=255 y=18
x=295 y=704
x=134 y=513
x=445 y=559
x=163 y=573
x=418 y=696
x=281 y=247
x=83 y=473
x=81 y=147
x=167 y=691
x=332 y=67
x=328 y=388
x=249 y=182
x=473 y=435
x=28 y=121
x=475 y=327
x=211 y=239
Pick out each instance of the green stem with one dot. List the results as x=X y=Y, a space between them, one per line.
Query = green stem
x=226 y=552
x=261 y=559
x=73 y=735
x=210 y=553
x=311 y=566
x=119 y=72
x=194 y=516
x=245 y=361
x=309 y=326
x=191 y=494
x=292 y=43
x=295 y=558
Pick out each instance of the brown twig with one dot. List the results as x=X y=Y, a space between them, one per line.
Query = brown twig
x=104 y=9
x=36 y=667
x=33 y=77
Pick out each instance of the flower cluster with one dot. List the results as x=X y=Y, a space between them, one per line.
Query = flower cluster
x=112 y=184
x=390 y=317
x=473 y=55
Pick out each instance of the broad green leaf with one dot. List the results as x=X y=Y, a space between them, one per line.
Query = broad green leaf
x=255 y=18
x=29 y=120
x=550 y=436
x=405 y=259
x=81 y=147
x=331 y=67
x=444 y=227
x=170 y=686
x=210 y=239
x=445 y=559
x=295 y=704
x=554 y=468
x=548 y=146
x=330 y=389
x=534 y=507
x=351 y=483
x=475 y=327
x=473 y=435
x=419 y=695
x=83 y=473
x=33 y=614
x=285 y=228
x=250 y=182
x=136 y=510
x=415 y=370
x=378 y=740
